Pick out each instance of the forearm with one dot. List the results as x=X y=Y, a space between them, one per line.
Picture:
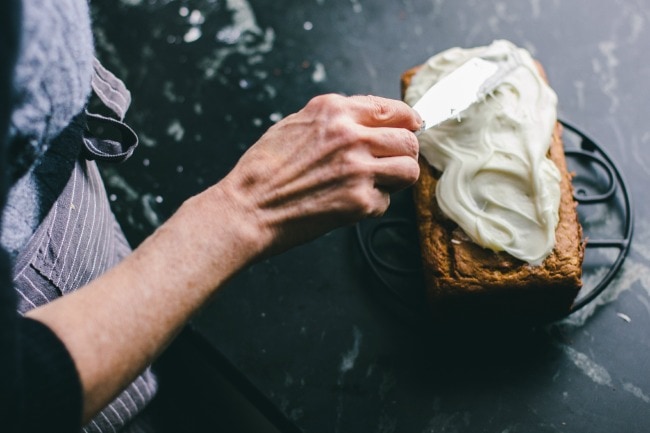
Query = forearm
x=332 y=163
x=119 y=323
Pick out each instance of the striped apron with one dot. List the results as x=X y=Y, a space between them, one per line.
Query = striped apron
x=80 y=239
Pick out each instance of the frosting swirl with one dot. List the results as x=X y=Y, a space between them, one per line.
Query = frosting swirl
x=497 y=181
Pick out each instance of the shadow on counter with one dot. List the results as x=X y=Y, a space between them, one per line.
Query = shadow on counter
x=197 y=395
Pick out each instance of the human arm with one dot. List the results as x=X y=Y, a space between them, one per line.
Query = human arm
x=334 y=162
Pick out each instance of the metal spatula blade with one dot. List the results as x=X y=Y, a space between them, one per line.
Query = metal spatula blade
x=460 y=89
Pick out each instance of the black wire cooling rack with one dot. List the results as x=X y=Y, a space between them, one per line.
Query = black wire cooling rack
x=391 y=248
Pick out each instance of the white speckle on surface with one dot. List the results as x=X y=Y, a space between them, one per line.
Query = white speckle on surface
x=176 y=130
x=350 y=357
x=596 y=372
x=607 y=74
x=319 y=75
x=242 y=36
x=146 y=162
x=356 y=6
x=501 y=10
x=637 y=26
x=296 y=414
x=114 y=180
x=640 y=154
x=262 y=75
x=228 y=35
x=288 y=380
x=196 y=17
x=183 y=11
x=445 y=421
x=625 y=317
x=636 y=391
x=275 y=117
x=535 y=7
x=131 y=2
x=270 y=90
x=580 y=93
x=308 y=25
x=146 y=140
x=257 y=122
x=148 y=210
x=168 y=91
x=158 y=199
x=388 y=383
x=193 y=34
x=386 y=424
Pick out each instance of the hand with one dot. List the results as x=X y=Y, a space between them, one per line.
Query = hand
x=334 y=162
x=330 y=164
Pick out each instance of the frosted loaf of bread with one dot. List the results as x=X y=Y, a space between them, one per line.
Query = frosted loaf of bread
x=499 y=231
x=498 y=183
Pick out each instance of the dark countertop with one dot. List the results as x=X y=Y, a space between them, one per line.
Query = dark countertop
x=306 y=334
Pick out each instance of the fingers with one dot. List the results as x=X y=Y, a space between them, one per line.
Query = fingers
x=388 y=135
x=381 y=200
x=377 y=111
x=394 y=155
x=385 y=142
x=393 y=174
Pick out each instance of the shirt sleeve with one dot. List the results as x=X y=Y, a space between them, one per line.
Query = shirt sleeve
x=40 y=389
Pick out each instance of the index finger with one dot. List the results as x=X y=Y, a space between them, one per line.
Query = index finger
x=377 y=111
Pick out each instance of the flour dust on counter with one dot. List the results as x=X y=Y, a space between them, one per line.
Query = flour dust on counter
x=189 y=58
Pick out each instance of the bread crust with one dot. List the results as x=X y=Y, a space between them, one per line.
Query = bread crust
x=465 y=281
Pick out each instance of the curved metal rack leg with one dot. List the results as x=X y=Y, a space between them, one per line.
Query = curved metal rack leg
x=591 y=151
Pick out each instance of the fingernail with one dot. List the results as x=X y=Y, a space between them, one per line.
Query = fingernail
x=423 y=126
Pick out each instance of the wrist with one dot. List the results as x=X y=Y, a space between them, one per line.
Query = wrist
x=225 y=217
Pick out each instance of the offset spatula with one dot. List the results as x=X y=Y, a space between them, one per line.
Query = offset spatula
x=471 y=82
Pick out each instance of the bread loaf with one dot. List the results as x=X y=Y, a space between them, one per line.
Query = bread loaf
x=465 y=281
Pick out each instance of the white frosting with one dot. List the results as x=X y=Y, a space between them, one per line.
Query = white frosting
x=497 y=182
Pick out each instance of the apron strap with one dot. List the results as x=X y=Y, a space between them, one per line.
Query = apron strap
x=110 y=89
x=106 y=138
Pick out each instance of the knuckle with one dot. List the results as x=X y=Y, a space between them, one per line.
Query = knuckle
x=415 y=144
x=350 y=167
x=362 y=199
x=381 y=110
x=347 y=133
x=368 y=202
x=411 y=144
x=379 y=212
x=343 y=135
x=325 y=102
